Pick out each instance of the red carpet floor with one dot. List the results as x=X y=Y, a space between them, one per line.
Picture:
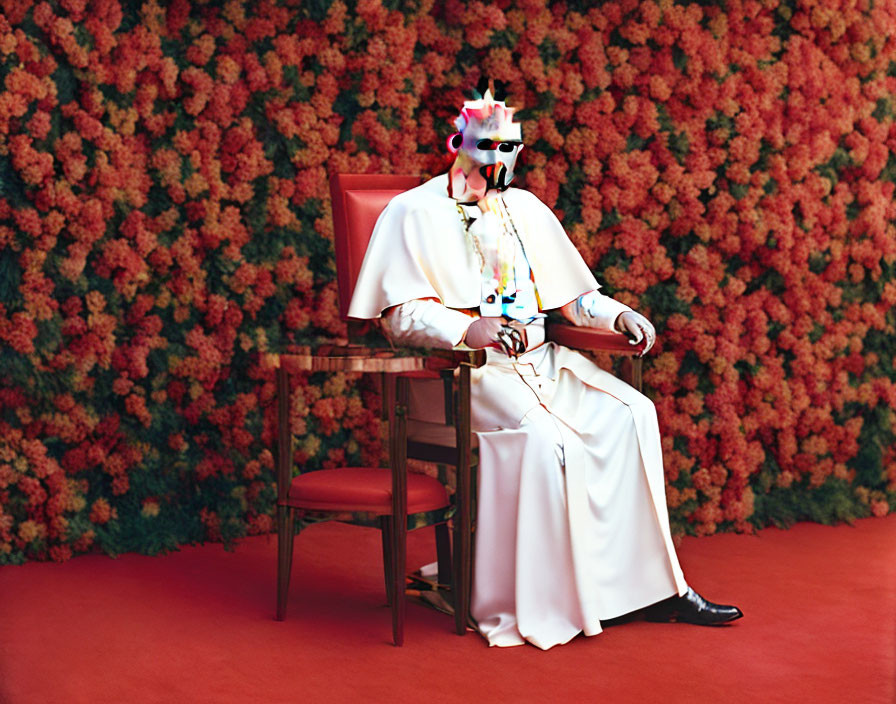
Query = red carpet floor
x=197 y=626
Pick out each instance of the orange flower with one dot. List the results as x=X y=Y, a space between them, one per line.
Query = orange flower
x=101 y=512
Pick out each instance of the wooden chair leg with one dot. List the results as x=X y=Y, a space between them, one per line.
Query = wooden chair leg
x=399 y=559
x=462 y=576
x=462 y=520
x=637 y=373
x=386 y=534
x=398 y=397
x=443 y=551
x=394 y=558
x=285 y=537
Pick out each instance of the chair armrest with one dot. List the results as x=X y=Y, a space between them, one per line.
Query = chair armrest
x=344 y=358
x=455 y=357
x=590 y=339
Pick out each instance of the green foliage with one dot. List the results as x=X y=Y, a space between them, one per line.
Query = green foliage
x=833 y=502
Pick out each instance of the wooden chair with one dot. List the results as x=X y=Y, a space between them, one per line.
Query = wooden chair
x=387 y=498
x=358 y=199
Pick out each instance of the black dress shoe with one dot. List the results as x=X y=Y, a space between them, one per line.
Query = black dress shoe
x=691 y=608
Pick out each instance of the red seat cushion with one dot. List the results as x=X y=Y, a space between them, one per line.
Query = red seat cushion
x=363 y=489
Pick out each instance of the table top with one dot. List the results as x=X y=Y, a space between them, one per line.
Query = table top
x=347 y=358
x=329 y=357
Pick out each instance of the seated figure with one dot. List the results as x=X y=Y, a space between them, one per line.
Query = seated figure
x=572 y=527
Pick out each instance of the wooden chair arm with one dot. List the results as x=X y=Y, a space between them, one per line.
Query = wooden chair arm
x=591 y=339
x=455 y=357
x=363 y=358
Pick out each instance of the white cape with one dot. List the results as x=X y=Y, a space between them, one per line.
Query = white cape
x=420 y=249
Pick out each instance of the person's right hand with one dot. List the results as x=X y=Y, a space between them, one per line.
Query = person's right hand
x=483 y=332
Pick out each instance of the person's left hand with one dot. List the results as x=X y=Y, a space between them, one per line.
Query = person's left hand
x=638 y=327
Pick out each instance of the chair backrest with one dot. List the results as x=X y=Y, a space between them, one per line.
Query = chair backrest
x=358 y=200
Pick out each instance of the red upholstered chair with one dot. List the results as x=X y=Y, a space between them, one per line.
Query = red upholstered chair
x=377 y=496
x=358 y=200
x=387 y=498
x=384 y=498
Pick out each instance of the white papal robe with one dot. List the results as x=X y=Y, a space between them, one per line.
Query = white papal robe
x=572 y=525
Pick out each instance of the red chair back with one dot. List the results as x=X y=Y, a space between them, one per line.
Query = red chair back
x=358 y=200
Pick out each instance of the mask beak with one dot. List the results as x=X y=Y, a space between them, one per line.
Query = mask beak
x=497 y=176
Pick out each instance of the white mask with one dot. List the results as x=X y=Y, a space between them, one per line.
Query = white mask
x=487 y=143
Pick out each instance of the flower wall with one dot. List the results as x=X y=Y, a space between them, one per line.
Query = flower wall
x=727 y=168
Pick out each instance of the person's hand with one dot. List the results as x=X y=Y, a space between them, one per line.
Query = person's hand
x=637 y=327
x=483 y=332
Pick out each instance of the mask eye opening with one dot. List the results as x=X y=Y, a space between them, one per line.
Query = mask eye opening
x=485 y=144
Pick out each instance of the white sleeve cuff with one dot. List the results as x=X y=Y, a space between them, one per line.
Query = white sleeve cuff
x=426 y=323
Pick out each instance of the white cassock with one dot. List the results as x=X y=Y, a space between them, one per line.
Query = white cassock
x=572 y=526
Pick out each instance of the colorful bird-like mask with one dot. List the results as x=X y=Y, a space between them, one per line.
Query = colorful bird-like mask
x=486 y=145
